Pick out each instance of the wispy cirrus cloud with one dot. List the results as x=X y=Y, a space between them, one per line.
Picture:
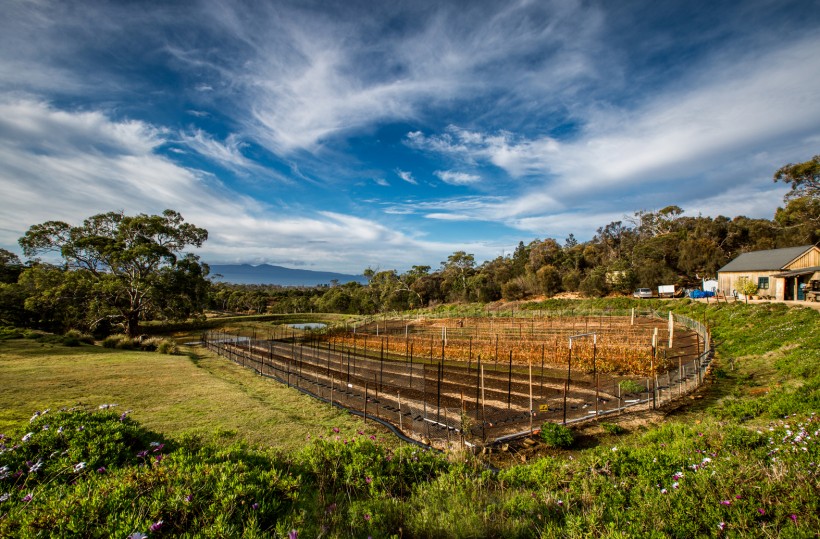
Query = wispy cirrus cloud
x=457 y=178
x=227 y=153
x=406 y=176
x=315 y=76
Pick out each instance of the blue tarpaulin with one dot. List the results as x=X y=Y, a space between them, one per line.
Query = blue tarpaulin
x=699 y=294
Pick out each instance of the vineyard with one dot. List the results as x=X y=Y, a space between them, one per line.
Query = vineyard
x=622 y=345
x=479 y=380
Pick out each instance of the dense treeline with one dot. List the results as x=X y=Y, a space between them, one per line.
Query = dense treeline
x=660 y=247
x=120 y=270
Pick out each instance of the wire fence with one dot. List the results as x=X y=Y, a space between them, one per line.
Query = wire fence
x=441 y=402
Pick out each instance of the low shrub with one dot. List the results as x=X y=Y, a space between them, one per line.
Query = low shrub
x=10 y=332
x=150 y=344
x=167 y=346
x=120 y=342
x=630 y=386
x=613 y=428
x=100 y=474
x=555 y=435
x=74 y=337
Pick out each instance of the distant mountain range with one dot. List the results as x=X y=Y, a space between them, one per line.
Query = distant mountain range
x=268 y=274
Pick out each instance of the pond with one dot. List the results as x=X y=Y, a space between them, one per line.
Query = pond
x=308 y=326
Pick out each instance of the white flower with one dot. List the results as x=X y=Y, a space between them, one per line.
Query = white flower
x=4 y=497
x=36 y=466
x=79 y=466
x=137 y=535
x=27 y=437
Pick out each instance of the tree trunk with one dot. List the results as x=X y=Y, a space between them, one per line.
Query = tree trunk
x=132 y=324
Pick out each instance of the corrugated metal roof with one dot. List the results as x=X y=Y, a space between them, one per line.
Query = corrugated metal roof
x=770 y=259
x=801 y=271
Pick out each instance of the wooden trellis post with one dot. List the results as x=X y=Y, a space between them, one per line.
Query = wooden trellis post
x=509 y=384
x=566 y=384
x=530 y=376
x=483 y=408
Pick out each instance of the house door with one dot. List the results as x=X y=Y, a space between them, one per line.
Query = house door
x=801 y=291
x=790 y=285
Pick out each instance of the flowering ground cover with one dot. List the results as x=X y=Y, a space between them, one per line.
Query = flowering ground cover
x=100 y=473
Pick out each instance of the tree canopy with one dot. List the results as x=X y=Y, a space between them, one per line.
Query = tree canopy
x=804 y=178
x=131 y=268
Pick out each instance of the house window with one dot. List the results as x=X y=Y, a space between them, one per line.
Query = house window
x=763 y=283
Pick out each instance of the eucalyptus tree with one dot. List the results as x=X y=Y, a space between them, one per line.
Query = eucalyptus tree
x=12 y=296
x=134 y=267
x=800 y=218
x=455 y=271
x=804 y=178
x=10 y=267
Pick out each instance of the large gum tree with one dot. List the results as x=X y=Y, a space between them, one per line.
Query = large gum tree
x=134 y=266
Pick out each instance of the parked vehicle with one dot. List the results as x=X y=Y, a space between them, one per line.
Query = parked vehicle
x=666 y=291
x=643 y=293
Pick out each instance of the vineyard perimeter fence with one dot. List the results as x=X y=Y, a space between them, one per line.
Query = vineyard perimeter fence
x=441 y=402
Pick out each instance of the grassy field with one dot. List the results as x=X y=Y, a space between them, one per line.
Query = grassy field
x=174 y=395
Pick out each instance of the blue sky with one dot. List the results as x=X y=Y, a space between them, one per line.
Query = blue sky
x=341 y=135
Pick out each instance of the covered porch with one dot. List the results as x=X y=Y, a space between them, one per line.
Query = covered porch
x=795 y=282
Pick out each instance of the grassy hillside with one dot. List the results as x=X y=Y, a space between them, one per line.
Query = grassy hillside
x=743 y=461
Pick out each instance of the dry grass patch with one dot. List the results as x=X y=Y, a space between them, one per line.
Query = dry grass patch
x=175 y=395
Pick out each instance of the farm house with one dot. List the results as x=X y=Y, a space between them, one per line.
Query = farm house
x=779 y=273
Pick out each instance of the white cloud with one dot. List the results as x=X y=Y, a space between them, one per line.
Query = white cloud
x=449 y=217
x=515 y=154
x=478 y=207
x=228 y=153
x=457 y=178
x=406 y=176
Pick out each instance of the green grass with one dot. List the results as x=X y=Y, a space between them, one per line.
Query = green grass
x=174 y=395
